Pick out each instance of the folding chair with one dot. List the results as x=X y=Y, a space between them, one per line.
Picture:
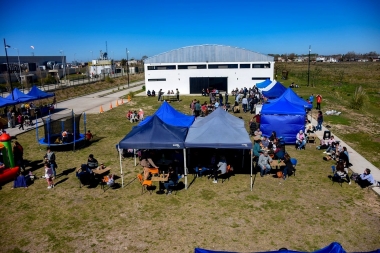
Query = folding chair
x=144 y=183
x=104 y=182
x=336 y=178
x=227 y=175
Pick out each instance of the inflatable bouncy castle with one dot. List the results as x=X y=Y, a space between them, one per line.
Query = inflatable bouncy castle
x=9 y=170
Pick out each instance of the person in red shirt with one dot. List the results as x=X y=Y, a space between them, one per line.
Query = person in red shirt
x=89 y=136
x=319 y=101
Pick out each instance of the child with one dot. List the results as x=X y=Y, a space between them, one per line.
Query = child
x=111 y=181
x=49 y=175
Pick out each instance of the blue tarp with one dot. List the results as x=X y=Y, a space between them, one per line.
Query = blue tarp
x=170 y=116
x=263 y=84
x=332 y=248
x=20 y=97
x=277 y=90
x=293 y=98
x=155 y=134
x=35 y=92
x=283 y=117
x=218 y=130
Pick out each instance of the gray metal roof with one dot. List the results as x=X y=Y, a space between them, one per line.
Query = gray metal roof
x=209 y=53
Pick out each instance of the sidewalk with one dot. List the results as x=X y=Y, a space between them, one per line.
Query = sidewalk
x=90 y=104
x=359 y=163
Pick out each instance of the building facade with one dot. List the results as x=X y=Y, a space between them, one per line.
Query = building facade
x=191 y=69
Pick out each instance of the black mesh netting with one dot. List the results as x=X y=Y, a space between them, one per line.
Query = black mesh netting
x=55 y=124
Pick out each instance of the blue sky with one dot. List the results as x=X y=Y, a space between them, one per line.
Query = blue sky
x=148 y=27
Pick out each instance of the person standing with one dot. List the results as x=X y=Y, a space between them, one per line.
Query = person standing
x=20 y=120
x=177 y=93
x=9 y=117
x=197 y=109
x=226 y=97
x=159 y=95
x=49 y=175
x=311 y=99
x=319 y=101
x=320 y=121
x=50 y=158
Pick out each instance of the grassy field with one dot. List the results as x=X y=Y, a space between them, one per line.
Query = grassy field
x=305 y=212
x=336 y=82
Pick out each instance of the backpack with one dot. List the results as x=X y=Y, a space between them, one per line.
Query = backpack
x=354 y=176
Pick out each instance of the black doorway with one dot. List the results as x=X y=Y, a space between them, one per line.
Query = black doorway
x=199 y=83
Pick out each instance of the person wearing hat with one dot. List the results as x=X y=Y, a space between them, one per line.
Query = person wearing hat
x=264 y=163
x=92 y=163
x=301 y=140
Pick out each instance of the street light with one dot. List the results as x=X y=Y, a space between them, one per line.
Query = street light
x=9 y=73
x=308 y=69
x=63 y=64
x=127 y=66
x=19 y=65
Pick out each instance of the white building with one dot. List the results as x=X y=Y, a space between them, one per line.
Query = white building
x=190 y=69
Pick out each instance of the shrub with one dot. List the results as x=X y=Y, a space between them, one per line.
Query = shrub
x=143 y=88
x=109 y=79
x=358 y=99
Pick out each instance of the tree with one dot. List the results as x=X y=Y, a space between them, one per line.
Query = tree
x=144 y=58
x=123 y=62
x=292 y=56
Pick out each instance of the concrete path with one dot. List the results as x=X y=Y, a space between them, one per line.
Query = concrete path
x=359 y=162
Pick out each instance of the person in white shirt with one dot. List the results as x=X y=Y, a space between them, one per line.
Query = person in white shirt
x=301 y=140
x=221 y=167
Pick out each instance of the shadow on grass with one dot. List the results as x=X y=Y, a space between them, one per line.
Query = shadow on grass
x=60 y=181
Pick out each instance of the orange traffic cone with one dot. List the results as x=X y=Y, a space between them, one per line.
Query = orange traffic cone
x=101 y=109
x=117 y=103
x=129 y=98
x=110 y=106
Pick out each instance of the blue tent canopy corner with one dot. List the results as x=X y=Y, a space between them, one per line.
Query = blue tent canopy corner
x=293 y=98
x=35 y=92
x=332 y=248
x=170 y=116
x=277 y=90
x=263 y=84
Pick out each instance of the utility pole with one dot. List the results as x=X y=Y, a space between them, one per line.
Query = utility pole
x=308 y=69
x=9 y=73
x=127 y=66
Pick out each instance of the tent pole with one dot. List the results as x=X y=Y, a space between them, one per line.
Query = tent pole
x=121 y=169
x=251 y=173
x=134 y=154
x=184 y=167
x=74 y=130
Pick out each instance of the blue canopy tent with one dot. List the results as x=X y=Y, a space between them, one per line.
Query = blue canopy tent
x=35 y=92
x=263 y=84
x=154 y=134
x=293 y=98
x=170 y=116
x=332 y=248
x=276 y=91
x=20 y=97
x=219 y=130
x=6 y=102
x=283 y=117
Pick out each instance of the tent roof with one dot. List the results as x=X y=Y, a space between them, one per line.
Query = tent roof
x=6 y=102
x=293 y=98
x=263 y=84
x=218 y=130
x=155 y=134
x=170 y=116
x=269 y=86
x=283 y=106
x=20 y=97
x=276 y=91
x=35 y=92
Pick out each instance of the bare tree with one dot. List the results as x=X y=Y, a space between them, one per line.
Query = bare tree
x=7 y=81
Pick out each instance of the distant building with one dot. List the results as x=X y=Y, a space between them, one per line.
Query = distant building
x=193 y=68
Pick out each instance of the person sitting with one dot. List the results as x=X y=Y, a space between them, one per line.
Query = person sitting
x=236 y=108
x=258 y=132
x=129 y=114
x=172 y=92
x=301 y=140
x=153 y=93
x=92 y=163
x=147 y=162
x=134 y=117
x=291 y=85
x=366 y=179
x=168 y=92
x=172 y=180
x=141 y=115
x=309 y=127
x=341 y=171
x=288 y=169
x=330 y=144
x=149 y=93
x=216 y=105
x=221 y=168
x=263 y=162
x=204 y=109
x=273 y=136
x=89 y=136
x=265 y=142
